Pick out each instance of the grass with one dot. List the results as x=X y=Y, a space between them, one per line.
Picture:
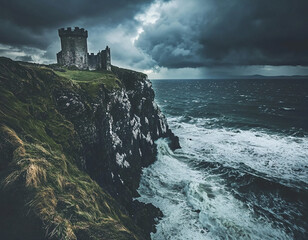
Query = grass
x=44 y=192
x=95 y=78
x=84 y=75
x=65 y=198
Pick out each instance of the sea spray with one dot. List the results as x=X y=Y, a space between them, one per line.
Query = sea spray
x=242 y=172
x=197 y=205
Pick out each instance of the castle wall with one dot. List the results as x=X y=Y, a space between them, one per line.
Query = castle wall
x=106 y=59
x=74 y=48
x=75 y=51
x=94 y=61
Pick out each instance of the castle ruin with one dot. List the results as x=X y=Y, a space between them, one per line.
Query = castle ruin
x=74 y=51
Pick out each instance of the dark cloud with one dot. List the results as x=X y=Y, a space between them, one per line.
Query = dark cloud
x=15 y=35
x=229 y=32
x=41 y=14
x=33 y=23
x=199 y=34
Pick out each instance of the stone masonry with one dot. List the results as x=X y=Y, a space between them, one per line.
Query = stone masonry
x=75 y=51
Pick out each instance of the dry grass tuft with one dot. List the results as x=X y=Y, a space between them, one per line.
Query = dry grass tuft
x=62 y=229
x=11 y=136
x=42 y=149
x=44 y=204
x=20 y=151
x=11 y=178
x=35 y=175
x=61 y=181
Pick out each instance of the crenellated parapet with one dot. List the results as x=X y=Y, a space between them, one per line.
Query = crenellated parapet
x=77 y=32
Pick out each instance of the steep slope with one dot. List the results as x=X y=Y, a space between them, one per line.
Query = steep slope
x=72 y=146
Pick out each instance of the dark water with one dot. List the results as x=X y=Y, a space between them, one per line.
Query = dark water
x=242 y=172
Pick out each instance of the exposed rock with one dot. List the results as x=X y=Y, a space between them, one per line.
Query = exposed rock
x=76 y=134
x=118 y=136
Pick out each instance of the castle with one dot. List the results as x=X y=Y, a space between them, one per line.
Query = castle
x=75 y=51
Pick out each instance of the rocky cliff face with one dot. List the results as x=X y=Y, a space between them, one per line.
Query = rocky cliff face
x=72 y=150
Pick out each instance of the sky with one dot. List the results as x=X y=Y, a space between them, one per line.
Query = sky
x=167 y=38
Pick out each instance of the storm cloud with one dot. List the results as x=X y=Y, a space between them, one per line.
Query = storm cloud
x=228 y=32
x=33 y=23
x=210 y=36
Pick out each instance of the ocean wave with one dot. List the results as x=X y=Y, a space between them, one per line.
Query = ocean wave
x=280 y=157
x=288 y=109
x=197 y=205
x=242 y=172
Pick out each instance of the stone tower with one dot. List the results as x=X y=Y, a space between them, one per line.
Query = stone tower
x=75 y=51
x=74 y=48
x=105 y=56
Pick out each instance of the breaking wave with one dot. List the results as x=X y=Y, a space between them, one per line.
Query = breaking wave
x=228 y=184
x=242 y=172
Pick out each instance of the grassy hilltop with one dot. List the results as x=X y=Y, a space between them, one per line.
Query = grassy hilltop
x=44 y=193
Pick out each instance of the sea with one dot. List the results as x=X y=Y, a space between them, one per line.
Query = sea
x=242 y=170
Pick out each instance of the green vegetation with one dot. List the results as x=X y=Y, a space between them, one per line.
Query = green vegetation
x=63 y=197
x=44 y=192
x=85 y=78
x=83 y=75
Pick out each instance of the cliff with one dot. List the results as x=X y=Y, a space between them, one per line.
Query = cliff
x=72 y=147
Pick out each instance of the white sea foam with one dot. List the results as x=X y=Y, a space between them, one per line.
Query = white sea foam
x=288 y=109
x=230 y=183
x=279 y=156
x=196 y=205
